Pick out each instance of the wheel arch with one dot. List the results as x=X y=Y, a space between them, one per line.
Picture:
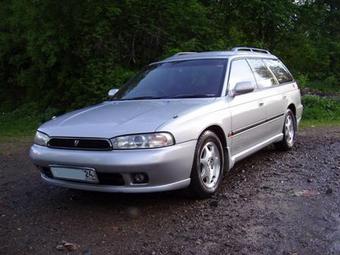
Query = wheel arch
x=292 y=107
x=221 y=135
x=219 y=132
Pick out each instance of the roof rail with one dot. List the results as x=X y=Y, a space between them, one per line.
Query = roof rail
x=184 y=53
x=249 y=49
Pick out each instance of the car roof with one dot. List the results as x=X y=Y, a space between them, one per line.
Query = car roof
x=235 y=52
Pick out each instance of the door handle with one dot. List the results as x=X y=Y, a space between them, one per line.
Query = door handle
x=261 y=104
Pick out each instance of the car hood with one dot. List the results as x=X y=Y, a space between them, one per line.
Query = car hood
x=114 y=118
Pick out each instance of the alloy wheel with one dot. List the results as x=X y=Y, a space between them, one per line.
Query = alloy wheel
x=210 y=164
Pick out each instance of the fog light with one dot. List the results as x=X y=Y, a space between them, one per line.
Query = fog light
x=139 y=178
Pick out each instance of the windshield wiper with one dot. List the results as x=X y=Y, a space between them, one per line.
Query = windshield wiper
x=141 y=98
x=194 y=96
x=170 y=97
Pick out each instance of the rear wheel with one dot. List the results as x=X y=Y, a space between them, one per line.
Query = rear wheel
x=207 y=170
x=289 y=132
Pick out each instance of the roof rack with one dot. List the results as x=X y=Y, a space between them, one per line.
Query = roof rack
x=184 y=53
x=248 y=49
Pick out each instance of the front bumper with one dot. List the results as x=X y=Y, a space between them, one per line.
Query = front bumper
x=167 y=168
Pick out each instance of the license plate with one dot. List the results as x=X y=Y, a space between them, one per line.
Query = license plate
x=75 y=174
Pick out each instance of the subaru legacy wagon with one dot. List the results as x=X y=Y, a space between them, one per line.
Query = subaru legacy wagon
x=179 y=123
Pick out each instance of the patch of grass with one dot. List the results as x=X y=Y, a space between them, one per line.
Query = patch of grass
x=319 y=123
x=12 y=125
x=23 y=121
x=320 y=109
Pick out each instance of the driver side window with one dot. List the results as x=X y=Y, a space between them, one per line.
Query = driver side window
x=240 y=72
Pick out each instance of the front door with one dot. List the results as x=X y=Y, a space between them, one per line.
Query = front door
x=247 y=111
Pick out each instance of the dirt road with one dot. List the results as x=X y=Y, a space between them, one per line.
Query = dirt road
x=270 y=203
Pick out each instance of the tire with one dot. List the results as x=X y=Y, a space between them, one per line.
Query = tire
x=289 y=132
x=208 y=166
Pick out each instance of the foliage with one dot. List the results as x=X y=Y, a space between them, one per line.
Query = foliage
x=22 y=121
x=318 y=108
x=302 y=80
x=329 y=85
x=61 y=55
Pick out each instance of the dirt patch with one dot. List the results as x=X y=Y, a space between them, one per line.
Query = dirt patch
x=270 y=203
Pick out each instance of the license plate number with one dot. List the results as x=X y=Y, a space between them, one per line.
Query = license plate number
x=75 y=174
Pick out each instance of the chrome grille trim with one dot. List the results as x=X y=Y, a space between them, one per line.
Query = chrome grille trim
x=80 y=143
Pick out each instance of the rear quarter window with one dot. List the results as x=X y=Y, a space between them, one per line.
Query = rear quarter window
x=280 y=72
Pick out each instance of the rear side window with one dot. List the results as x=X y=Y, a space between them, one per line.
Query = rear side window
x=282 y=75
x=263 y=76
x=240 y=72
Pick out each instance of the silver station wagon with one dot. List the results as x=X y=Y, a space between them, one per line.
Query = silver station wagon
x=179 y=123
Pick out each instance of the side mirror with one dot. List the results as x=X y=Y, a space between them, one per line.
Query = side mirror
x=243 y=87
x=112 y=92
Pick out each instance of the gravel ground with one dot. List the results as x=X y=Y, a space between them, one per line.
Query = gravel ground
x=271 y=203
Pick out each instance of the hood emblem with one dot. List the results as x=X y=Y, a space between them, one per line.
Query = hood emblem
x=76 y=142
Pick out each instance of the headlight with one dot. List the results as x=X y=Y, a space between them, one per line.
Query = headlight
x=41 y=138
x=142 y=141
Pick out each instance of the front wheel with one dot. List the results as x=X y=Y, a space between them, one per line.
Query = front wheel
x=207 y=170
x=289 y=132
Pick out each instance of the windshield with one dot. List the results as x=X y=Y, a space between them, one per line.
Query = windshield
x=181 y=79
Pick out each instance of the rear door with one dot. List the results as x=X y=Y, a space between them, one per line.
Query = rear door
x=273 y=101
x=246 y=109
x=278 y=95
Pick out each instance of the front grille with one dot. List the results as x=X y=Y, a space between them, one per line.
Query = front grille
x=80 y=143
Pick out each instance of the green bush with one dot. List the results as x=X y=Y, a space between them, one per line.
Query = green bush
x=330 y=85
x=302 y=80
x=24 y=120
x=320 y=109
